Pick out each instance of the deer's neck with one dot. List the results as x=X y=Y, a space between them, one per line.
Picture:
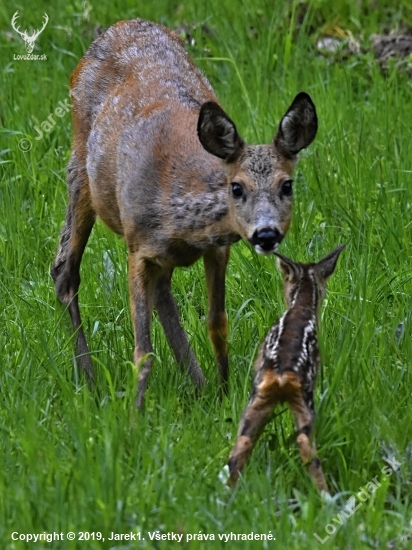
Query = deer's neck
x=305 y=295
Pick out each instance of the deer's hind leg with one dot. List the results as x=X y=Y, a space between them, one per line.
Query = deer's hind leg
x=304 y=419
x=254 y=419
x=65 y=269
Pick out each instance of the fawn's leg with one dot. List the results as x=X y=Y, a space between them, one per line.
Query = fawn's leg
x=215 y=262
x=304 y=418
x=169 y=317
x=65 y=269
x=254 y=418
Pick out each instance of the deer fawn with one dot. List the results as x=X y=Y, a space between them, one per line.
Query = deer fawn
x=159 y=161
x=287 y=364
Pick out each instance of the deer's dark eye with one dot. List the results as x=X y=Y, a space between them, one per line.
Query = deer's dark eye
x=237 y=190
x=287 y=189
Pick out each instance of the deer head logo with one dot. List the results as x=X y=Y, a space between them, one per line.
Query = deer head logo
x=28 y=40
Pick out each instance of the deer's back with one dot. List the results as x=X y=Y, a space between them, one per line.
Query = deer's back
x=288 y=357
x=291 y=344
x=147 y=58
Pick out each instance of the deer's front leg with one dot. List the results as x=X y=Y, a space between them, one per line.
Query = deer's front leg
x=215 y=262
x=254 y=419
x=169 y=317
x=304 y=418
x=143 y=277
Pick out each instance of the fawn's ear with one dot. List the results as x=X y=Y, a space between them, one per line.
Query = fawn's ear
x=288 y=268
x=298 y=127
x=326 y=266
x=217 y=133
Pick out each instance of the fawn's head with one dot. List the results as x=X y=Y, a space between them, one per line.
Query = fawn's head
x=305 y=284
x=259 y=176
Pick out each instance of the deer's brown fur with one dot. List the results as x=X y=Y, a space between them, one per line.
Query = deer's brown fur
x=286 y=366
x=158 y=160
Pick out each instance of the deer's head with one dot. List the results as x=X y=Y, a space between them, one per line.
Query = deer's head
x=259 y=176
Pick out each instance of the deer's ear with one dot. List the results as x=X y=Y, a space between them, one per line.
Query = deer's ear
x=298 y=127
x=288 y=268
x=326 y=266
x=217 y=133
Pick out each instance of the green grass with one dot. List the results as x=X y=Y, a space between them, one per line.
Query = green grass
x=75 y=461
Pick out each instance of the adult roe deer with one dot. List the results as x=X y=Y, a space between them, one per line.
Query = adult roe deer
x=159 y=161
x=287 y=364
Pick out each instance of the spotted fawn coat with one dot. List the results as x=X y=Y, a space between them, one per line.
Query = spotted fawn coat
x=287 y=365
x=159 y=161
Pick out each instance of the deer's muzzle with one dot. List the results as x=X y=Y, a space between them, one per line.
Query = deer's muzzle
x=266 y=240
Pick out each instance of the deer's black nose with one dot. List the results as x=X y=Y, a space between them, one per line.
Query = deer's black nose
x=266 y=239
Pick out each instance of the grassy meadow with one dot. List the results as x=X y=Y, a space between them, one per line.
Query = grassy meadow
x=75 y=461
